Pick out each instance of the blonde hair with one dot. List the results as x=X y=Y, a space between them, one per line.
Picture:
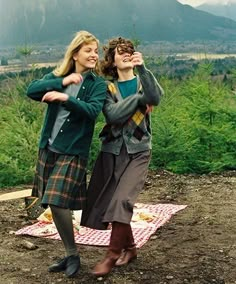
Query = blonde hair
x=68 y=64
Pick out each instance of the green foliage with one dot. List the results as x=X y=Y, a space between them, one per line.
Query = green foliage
x=174 y=68
x=96 y=144
x=37 y=72
x=24 y=50
x=194 y=127
x=20 y=122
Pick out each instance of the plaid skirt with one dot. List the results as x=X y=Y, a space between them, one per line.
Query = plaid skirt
x=60 y=180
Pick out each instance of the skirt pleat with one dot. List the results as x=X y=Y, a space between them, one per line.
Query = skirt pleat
x=60 y=180
x=114 y=186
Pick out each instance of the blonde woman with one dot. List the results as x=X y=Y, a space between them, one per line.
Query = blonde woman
x=74 y=94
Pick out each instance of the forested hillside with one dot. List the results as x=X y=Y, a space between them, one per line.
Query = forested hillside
x=151 y=20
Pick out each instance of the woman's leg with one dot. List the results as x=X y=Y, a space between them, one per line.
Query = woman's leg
x=63 y=221
x=130 y=251
x=118 y=238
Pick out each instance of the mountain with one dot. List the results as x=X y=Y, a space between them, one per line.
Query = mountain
x=224 y=10
x=55 y=21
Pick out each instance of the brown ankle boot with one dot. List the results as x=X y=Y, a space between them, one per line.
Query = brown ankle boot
x=128 y=255
x=117 y=243
x=129 y=252
x=105 y=266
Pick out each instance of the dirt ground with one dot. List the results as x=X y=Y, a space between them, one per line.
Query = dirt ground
x=196 y=246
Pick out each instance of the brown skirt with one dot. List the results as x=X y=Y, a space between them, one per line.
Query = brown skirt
x=114 y=186
x=60 y=180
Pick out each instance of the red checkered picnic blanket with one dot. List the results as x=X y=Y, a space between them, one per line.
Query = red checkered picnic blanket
x=141 y=231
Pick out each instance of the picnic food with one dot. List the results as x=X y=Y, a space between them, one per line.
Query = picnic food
x=46 y=216
x=143 y=216
x=47 y=230
x=146 y=216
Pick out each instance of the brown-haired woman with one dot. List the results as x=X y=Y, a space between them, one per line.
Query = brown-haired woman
x=121 y=167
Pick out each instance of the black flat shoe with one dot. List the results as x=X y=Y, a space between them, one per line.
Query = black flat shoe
x=72 y=265
x=58 y=266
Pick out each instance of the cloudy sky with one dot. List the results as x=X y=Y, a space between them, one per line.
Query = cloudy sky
x=195 y=3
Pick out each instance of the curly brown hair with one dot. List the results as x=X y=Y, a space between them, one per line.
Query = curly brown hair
x=107 y=64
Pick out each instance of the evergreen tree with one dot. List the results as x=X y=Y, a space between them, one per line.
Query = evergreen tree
x=196 y=126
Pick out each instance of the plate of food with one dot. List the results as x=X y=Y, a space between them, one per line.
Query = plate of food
x=46 y=230
x=143 y=216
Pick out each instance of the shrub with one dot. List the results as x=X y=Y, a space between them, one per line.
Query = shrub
x=20 y=123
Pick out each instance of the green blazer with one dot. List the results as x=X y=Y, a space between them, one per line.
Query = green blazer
x=75 y=135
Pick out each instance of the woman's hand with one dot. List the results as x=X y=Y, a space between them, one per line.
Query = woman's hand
x=137 y=58
x=73 y=78
x=54 y=96
x=149 y=108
